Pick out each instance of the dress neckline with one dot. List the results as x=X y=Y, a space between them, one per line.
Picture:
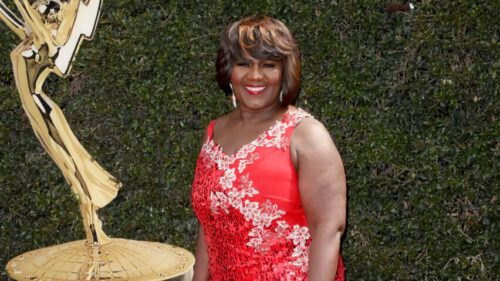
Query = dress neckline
x=253 y=142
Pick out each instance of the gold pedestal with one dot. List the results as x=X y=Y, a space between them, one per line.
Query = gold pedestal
x=120 y=259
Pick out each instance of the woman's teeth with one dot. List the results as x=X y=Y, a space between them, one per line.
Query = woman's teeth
x=255 y=89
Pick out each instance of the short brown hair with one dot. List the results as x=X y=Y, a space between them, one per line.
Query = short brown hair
x=262 y=38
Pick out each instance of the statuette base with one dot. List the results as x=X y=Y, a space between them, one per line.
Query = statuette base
x=120 y=259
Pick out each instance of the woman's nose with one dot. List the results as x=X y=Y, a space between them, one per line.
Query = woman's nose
x=256 y=73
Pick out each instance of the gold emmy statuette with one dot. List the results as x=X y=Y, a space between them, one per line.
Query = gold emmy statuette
x=51 y=32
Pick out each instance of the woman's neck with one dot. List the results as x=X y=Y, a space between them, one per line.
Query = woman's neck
x=250 y=116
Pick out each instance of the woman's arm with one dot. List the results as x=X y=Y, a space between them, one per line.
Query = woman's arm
x=322 y=187
x=201 y=272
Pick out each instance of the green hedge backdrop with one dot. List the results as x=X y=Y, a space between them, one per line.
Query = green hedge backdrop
x=411 y=100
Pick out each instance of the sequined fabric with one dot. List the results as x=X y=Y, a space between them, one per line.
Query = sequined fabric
x=248 y=204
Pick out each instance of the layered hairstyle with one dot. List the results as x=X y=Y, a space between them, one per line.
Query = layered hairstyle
x=262 y=38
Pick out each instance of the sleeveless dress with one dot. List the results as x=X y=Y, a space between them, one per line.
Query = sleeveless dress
x=249 y=207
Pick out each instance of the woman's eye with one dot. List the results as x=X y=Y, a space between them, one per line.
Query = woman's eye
x=244 y=64
x=269 y=65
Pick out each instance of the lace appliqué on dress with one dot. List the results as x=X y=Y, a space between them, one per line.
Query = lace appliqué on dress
x=300 y=236
x=262 y=236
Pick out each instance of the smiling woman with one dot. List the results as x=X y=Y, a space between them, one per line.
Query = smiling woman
x=264 y=39
x=256 y=83
x=269 y=187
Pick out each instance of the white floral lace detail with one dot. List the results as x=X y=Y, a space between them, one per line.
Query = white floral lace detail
x=299 y=236
x=220 y=200
x=245 y=162
x=262 y=217
x=273 y=137
x=227 y=180
x=261 y=237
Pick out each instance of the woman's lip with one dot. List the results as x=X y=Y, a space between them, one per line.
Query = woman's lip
x=255 y=90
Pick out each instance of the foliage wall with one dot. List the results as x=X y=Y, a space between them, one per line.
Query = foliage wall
x=411 y=100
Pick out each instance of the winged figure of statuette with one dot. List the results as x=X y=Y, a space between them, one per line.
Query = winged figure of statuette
x=51 y=32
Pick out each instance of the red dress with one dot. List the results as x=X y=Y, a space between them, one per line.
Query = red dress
x=249 y=207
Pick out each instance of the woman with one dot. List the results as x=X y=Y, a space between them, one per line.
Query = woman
x=269 y=187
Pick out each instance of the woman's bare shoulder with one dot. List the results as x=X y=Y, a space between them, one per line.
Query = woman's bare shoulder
x=311 y=134
x=311 y=127
x=218 y=122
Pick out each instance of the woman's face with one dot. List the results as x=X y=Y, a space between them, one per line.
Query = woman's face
x=257 y=83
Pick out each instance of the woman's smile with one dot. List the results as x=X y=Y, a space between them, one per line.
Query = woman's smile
x=254 y=90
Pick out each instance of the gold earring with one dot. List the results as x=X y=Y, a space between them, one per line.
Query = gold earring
x=233 y=98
